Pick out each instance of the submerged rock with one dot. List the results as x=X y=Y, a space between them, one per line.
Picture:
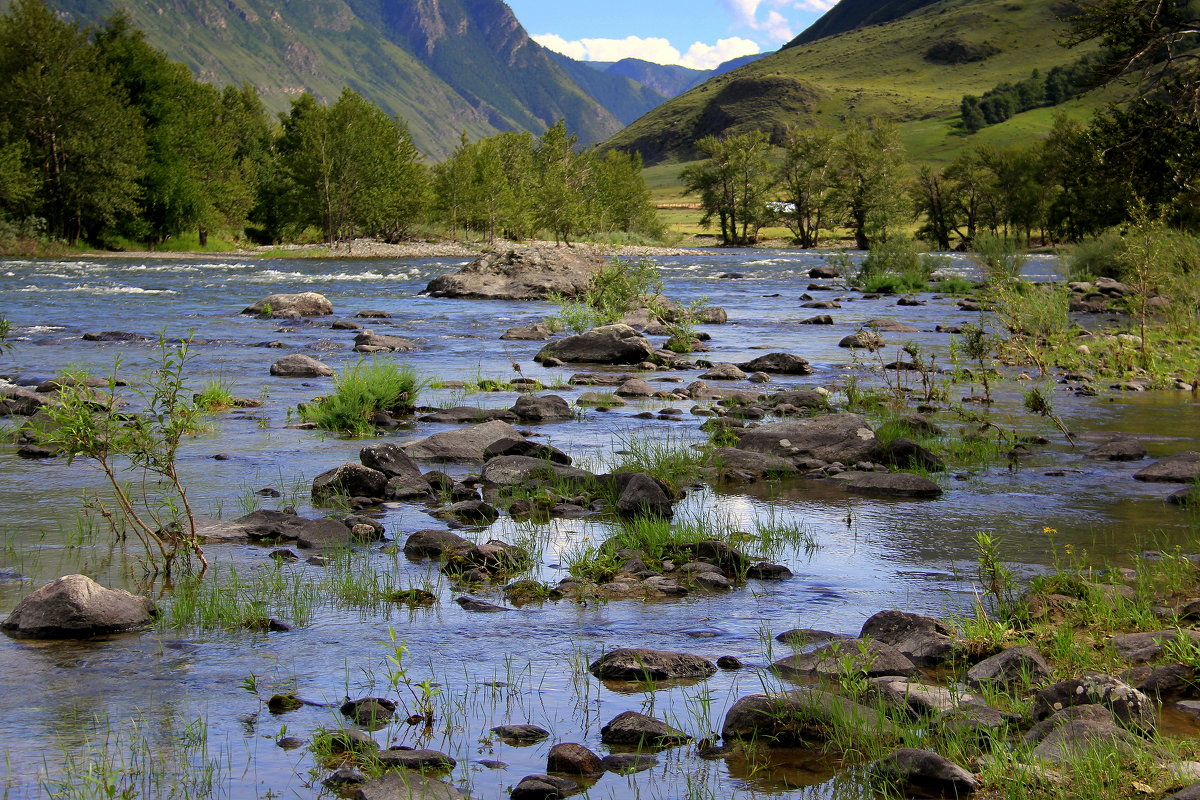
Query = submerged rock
x=407 y=785
x=924 y=771
x=1179 y=468
x=638 y=730
x=76 y=607
x=894 y=484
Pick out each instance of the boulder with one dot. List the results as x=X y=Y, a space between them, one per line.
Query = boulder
x=545 y=408
x=1012 y=667
x=1131 y=708
x=348 y=480
x=527 y=333
x=1072 y=732
x=478 y=606
x=907 y=454
x=468 y=444
x=923 y=772
x=893 y=484
x=799 y=398
x=1180 y=468
x=919 y=699
x=391 y=460
x=819 y=319
x=824 y=272
x=872 y=658
x=1188 y=497
x=76 y=607
x=521 y=273
x=304 y=304
x=522 y=470
x=1139 y=648
x=543 y=787
x=468 y=415
x=434 y=543
x=863 y=340
x=417 y=760
x=633 y=729
x=801 y=717
x=639 y=664
x=731 y=461
x=1122 y=448
x=406 y=785
x=925 y=640
x=724 y=372
x=635 y=387
x=525 y=447
x=779 y=364
x=471 y=512
x=1171 y=681
x=833 y=437
x=523 y=734
x=20 y=402
x=608 y=344
x=569 y=758
x=629 y=763
x=298 y=365
x=114 y=336
x=890 y=326
x=642 y=496
x=368 y=342
x=265 y=525
x=369 y=711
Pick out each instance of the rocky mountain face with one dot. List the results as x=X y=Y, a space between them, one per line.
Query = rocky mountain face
x=444 y=66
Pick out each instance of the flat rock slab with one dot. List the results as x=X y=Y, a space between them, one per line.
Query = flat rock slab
x=800 y=717
x=298 y=365
x=303 y=304
x=521 y=470
x=893 y=484
x=469 y=444
x=879 y=659
x=638 y=730
x=417 y=760
x=407 y=785
x=834 y=437
x=1180 y=468
x=468 y=415
x=76 y=607
x=521 y=273
x=639 y=664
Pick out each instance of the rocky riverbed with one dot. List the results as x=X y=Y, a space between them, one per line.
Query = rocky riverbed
x=463 y=574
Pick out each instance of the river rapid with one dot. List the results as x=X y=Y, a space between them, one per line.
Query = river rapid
x=194 y=697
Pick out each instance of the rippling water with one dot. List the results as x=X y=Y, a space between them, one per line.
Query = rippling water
x=872 y=554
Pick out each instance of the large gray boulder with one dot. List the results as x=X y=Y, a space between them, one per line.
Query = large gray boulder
x=391 y=460
x=835 y=437
x=801 y=717
x=20 y=402
x=778 y=363
x=304 y=304
x=1120 y=448
x=892 y=484
x=545 y=408
x=406 y=785
x=608 y=344
x=640 y=664
x=349 y=480
x=468 y=444
x=633 y=729
x=434 y=543
x=521 y=470
x=1180 y=468
x=731 y=462
x=298 y=365
x=1014 y=666
x=521 y=273
x=265 y=525
x=368 y=342
x=925 y=640
x=1131 y=708
x=76 y=607
x=923 y=772
x=872 y=658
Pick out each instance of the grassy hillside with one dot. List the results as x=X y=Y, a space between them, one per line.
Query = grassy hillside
x=444 y=66
x=882 y=70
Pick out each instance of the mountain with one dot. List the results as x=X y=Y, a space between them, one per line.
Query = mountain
x=444 y=66
x=667 y=79
x=627 y=99
x=851 y=14
x=914 y=69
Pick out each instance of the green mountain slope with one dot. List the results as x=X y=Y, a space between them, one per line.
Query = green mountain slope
x=625 y=98
x=442 y=65
x=851 y=14
x=895 y=70
x=668 y=79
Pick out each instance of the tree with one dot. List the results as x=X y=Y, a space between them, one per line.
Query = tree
x=932 y=196
x=734 y=184
x=85 y=144
x=559 y=204
x=351 y=168
x=806 y=184
x=970 y=187
x=618 y=195
x=870 y=181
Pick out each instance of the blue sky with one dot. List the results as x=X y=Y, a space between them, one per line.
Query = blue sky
x=695 y=33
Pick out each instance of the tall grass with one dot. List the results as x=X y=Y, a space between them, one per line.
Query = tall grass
x=361 y=391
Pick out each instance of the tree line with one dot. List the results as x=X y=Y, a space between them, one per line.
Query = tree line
x=1006 y=100
x=104 y=139
x=1079 y=181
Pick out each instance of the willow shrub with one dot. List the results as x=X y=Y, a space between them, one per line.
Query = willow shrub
x=362 y=391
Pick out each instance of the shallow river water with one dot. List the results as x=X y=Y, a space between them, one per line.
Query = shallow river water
x=193 y=698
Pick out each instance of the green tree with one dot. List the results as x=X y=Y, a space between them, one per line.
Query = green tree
x=85 y=144
x=351 y=168
x=734 y=184
x=933 y=197
x=805 y=183
x=558 y=200
x=618 y=195
x=870 y=181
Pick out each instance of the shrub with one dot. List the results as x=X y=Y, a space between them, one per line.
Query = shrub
x=999 y=257
x=215 y=396
x=894 y=266
x=617 y=289
x=361 y=391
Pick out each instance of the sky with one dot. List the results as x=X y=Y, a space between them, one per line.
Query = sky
x=695 y=33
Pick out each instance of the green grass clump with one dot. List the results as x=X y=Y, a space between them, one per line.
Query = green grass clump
x=895 y=266
x=953 y=285
x=215 y=396
x=361 y=391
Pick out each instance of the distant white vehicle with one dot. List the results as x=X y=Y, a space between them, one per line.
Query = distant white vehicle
x=781 y=208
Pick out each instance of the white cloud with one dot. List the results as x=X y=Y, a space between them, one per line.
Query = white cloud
x=707 y=56
x=820 y=6
x=744 y=11
x=777 y=27
x=656 y=50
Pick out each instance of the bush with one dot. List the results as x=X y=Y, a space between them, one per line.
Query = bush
x=999 y=257
x=215 y=396
x=617 y=289
x=1096 y=258
x=894 y=266
x=360 y=392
